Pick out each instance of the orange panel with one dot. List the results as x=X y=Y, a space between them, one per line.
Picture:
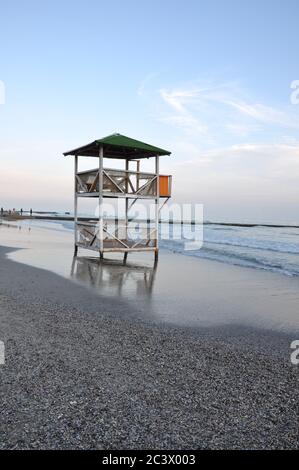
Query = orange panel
x=164 y=186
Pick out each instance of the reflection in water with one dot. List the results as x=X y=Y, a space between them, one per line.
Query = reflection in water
x=113 y=277
x=182 y=291
x=4 y=224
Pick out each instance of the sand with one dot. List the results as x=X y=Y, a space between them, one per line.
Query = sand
x=89 y=369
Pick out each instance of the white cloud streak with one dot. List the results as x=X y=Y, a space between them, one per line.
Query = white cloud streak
x=202 y=109
x=234 y=154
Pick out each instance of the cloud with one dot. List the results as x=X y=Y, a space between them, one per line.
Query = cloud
x=267 y=161
x=145 y=83
x=222 y=110
x=243 y=181
x=178 y=99
x=181 y=101
x=236 y=154
x=264 y=114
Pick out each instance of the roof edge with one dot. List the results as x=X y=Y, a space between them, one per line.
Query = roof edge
x=128 y=145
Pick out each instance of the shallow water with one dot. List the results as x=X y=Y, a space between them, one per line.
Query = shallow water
x=274 y=249
x=180 y=290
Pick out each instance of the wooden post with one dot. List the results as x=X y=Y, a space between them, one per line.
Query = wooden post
x=127 y=204
x=75 y=207
x=157 y=203
x=101 y=225
x=138 y=171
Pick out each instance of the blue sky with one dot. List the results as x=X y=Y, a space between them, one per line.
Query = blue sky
x=208 y=80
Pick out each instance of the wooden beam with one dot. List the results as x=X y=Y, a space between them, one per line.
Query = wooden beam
x=94 y=183
x=157 y=201
x=75 y=203
x=101 y=157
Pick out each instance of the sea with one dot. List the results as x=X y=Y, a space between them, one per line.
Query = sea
x=269 y=248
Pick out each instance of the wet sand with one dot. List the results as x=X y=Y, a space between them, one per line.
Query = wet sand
x=99 y=359
x=180 y=290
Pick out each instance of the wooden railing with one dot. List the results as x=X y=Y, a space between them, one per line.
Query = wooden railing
x=122 y=182
x=116 y=236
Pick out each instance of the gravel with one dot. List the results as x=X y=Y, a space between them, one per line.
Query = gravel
x=80 y=373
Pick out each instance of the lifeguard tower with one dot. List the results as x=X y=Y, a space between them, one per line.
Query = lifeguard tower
x=106 y=235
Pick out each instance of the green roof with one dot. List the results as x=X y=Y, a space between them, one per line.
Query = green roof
x=118 y=146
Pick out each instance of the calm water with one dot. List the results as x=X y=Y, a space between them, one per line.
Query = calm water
x=267 y=248
x=180 y=289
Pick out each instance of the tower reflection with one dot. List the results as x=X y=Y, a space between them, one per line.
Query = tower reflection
x=114 y=277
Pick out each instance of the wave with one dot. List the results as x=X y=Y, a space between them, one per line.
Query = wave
x=282 y=262
x=259 y=245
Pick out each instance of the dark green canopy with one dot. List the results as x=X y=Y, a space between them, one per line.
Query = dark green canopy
x=118 y=146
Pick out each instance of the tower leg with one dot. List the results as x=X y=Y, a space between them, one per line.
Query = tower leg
x=75 y=250
x=101 y=255
x=156 y=256
x=125 y=257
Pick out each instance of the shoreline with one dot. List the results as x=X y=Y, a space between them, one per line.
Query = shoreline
x=161 y=221
x=239 y=246
x=82 y=372
x=82 y=296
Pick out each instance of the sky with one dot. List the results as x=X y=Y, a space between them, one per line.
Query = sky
x=208 y=80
